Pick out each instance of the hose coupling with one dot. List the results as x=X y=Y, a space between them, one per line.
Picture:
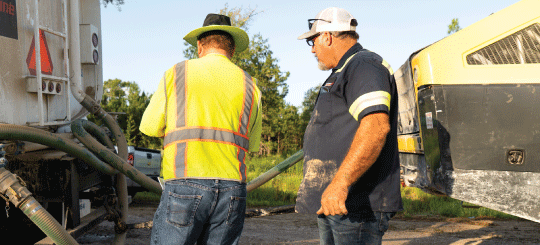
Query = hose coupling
x=13 y=187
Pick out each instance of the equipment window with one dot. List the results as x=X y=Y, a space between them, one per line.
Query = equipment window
x=522 y=47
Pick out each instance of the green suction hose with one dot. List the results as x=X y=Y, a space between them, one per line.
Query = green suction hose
x=114 y=160
x=46 y=222
x=24 y=133
x=16 y=192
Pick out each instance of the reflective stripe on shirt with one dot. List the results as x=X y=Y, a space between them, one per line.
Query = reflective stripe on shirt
x=369 y=99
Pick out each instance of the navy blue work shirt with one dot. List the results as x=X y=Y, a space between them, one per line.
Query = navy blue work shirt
x=361 y=83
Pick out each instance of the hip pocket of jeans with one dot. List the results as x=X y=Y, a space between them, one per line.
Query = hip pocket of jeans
x=237 y=210
x=181 y=209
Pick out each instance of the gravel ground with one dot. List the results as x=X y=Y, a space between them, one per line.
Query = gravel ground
x=293 y=228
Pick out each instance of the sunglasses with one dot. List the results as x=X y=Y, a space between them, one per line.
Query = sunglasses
x=310 y=41
x=311 y=21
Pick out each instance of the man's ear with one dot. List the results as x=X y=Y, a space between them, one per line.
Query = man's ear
x=200 y=48
x=328 y=40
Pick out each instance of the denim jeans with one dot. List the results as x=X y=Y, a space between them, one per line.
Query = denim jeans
x=351 y=229
x=202 y=211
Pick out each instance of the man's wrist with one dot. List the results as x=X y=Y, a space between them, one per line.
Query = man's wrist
x=340 y=181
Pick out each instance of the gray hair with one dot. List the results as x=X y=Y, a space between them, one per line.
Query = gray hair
x=345 y=34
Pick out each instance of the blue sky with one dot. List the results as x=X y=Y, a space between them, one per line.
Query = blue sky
x=144 y=39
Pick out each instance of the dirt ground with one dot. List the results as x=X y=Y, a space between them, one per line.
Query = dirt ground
x=292 y=228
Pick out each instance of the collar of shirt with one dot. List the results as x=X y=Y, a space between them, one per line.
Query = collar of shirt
x=353 y=50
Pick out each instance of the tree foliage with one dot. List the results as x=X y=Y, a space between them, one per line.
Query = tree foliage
x=308 y=105
x=127 y=103
x=454 y=26
x=116 y=3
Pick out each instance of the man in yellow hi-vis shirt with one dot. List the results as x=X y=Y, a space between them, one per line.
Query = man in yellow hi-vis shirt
x=208 y=110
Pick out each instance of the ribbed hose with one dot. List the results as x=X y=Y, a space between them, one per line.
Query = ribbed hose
x=98 y=133
x=24 y=133
x=20 y=196
x=46 y=222
x=114 y=160
x=121 y=184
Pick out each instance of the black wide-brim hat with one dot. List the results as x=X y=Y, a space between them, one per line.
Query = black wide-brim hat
x=222 y=23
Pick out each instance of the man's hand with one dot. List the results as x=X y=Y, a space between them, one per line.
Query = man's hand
x=333 y=200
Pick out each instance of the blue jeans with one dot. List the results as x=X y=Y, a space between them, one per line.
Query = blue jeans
x=202 y=211
x=353 y=229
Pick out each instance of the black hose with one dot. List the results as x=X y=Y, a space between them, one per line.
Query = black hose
x=121 y=185
x=98 y=133
x=24 y=133
x=114 y=160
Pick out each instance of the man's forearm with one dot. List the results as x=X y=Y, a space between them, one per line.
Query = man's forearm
x=365 y=149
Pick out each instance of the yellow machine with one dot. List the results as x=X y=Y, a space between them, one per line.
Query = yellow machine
x=469 y=123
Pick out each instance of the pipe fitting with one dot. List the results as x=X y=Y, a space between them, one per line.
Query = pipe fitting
x=13 y=187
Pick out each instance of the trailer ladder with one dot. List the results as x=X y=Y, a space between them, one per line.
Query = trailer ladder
x=40 y=82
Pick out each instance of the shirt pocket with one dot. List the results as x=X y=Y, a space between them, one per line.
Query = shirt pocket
x=323 y=109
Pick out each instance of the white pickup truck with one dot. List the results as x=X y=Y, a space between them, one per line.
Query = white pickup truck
x=147 y=161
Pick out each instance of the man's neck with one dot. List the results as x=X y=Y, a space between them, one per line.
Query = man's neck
x=214 y=51
x=340 y=49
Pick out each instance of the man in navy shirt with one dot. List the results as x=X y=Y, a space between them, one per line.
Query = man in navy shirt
x=351 y=163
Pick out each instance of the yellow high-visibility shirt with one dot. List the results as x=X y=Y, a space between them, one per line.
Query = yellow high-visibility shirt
x=209 y=112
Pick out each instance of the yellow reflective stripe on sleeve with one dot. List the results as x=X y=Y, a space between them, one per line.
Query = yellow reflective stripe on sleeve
x=388 y=67
x=345 y=64
x=367 y=100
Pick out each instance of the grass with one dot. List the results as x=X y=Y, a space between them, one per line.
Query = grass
x=417 y=203
x=283 y=188
x=279 y=191
x=146 y=196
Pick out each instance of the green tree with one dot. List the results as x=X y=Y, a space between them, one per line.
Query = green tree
x=116 y=3
x=131 y=129
x=291 y=132
x=308 y=105
x=310 y=97
x=127 y=103
x=454 y=26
